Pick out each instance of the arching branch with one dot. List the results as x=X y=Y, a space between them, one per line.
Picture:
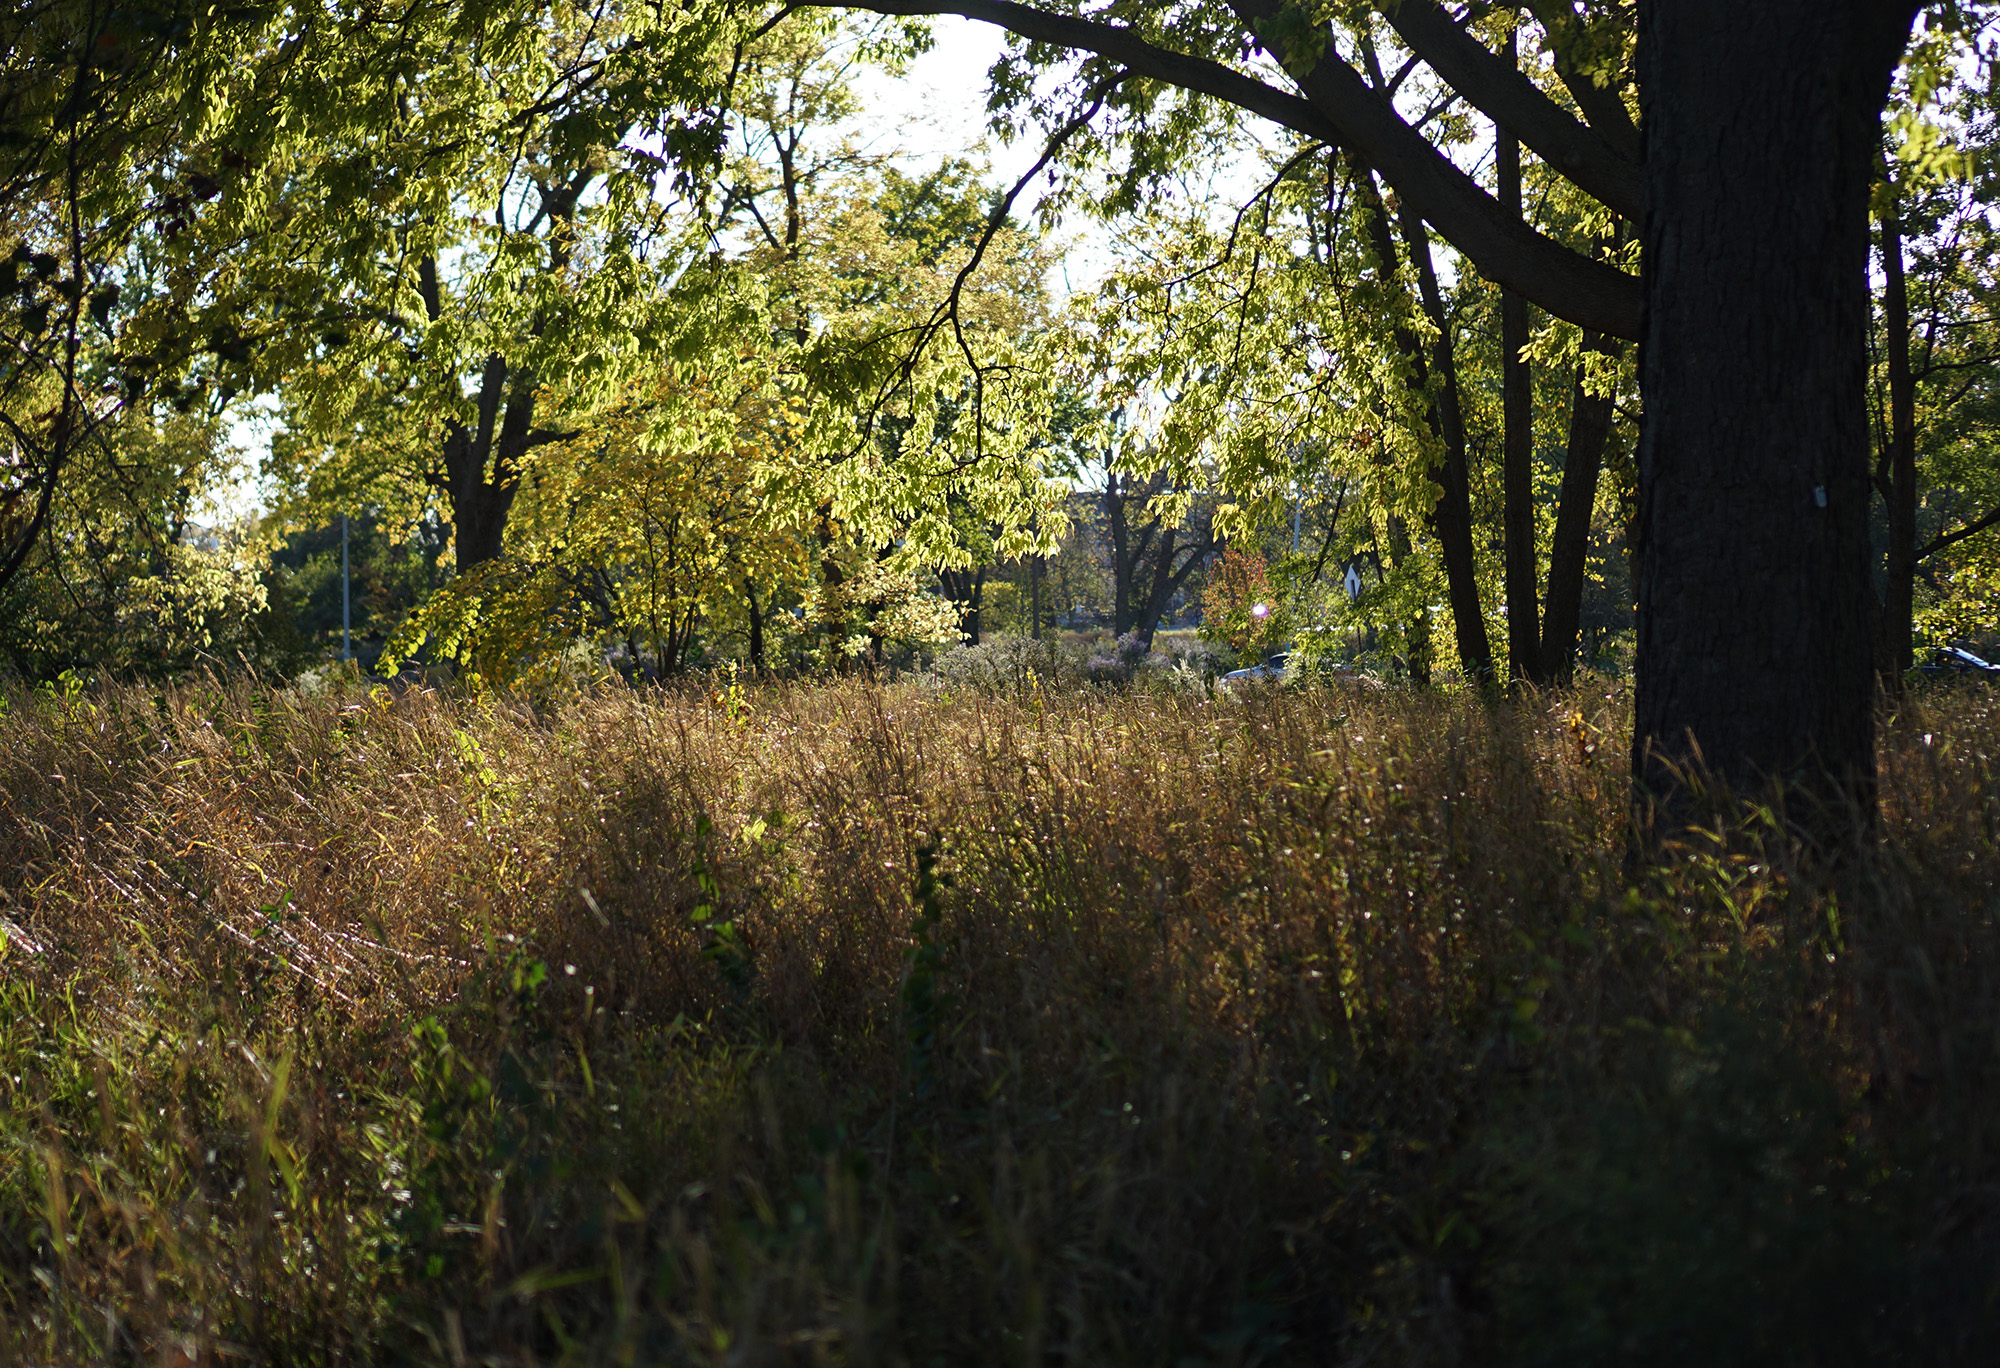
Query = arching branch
x=1339 y=107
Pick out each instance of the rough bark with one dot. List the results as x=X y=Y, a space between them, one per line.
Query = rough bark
x=1752 y=532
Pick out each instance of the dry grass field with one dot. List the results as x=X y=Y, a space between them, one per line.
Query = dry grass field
x=844 y=1024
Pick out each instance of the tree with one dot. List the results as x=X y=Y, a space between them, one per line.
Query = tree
x=1752 y=520
x=99 y=105
x=1239 y=608
x=641 y=532
x=1752 y=534
x=514 y=241
x=134 y=570
x=1157 y=541
x=1934 y=355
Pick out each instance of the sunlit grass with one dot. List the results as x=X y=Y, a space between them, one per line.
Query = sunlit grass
x=845 y=1024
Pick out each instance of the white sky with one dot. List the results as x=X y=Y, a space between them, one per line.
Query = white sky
x=938 y=109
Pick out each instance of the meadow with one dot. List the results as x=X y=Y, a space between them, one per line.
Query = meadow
x=846 y=1023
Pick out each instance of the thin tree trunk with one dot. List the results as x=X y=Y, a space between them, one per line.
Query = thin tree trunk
x=1418 y=662
x=1517 y=403
x=1590 y=418
x=831 y=577
x=1754 y=650
x=975 y=602
x=757 y=665
x=1452 y=518
x=1901 y=486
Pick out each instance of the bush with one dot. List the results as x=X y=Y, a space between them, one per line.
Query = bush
x=1006 y=662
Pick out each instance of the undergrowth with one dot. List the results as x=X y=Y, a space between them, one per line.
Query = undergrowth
x=838 y=1024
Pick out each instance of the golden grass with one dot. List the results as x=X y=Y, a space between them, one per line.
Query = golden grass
x=858 y=1025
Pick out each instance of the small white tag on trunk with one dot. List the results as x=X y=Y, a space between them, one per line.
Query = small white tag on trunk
x=1819 y=495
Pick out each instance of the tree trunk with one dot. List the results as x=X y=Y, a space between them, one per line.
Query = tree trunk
x=1035 y=576
x=1451 y=519
x=1167 y=580
x=832 y=617
x=757 y=665
x=1569 y=550
x=1517 y=406
x=1128 y=544
x=1761 y=128
x=1900 y=488
x=967 y=590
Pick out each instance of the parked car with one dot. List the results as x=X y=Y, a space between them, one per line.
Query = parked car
x=1271 y=667
x=1955 y=662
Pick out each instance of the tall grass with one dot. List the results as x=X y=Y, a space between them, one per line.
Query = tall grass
x=853 y=1025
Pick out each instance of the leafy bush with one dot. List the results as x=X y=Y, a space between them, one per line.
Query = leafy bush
x=1007 y=662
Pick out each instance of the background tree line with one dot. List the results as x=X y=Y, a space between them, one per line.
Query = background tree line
x=605 y=330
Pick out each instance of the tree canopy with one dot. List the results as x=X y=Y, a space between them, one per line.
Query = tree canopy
x=611 y=302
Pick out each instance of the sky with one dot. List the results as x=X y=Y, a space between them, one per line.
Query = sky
x=938 y=109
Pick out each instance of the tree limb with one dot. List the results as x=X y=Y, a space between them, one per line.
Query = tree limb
x=1499 y=89
x=1602 y=105
x=1340 y=108
x=1930 y=549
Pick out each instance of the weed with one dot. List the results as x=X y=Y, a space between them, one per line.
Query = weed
x=1309 y=1026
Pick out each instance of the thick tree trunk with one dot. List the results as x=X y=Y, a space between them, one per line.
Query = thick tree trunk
x=1900 y=487
x=1129 y=544
x=1167 y=578
x=1754 y=654
x=1569 y=549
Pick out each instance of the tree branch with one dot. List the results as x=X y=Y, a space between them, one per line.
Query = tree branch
x=1930 y=549
x=1340 y=108
x=1499 y=89
x=1602 y=105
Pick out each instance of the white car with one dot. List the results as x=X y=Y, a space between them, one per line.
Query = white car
x=1271 y=667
